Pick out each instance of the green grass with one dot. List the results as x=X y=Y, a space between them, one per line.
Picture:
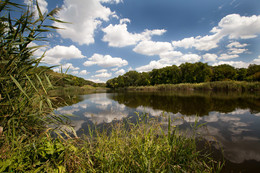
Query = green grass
x=216 y=86
x=143 y=147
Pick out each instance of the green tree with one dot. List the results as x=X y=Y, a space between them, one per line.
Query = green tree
x=224 y=72
x=241 y=74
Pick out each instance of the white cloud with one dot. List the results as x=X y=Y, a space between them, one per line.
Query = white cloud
x=237 y=64
x=234 y=26
x=210 y=57
x=191 y=58
x=120 y=72
x=103 y=75
x=118 y=35
x=58 y=53
x=66 y=67
x=69 y=66
x=236 y=51
x=105 y=61
x=163 y=62
x=75 y=72
x=206 y=43
x=151 y=48
x=111 y=1
x=236 y=45
x=83 y=72
x=225 y=56
x=96 y=80
x=102 y=71
x=114 y=69
x=256 y=61
x=84 y=16
x=152 y=65
x=170 y=54
x=125 y=20
x=236 y=48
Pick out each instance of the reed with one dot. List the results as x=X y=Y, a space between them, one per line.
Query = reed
x=146 y=146
x=207 y=86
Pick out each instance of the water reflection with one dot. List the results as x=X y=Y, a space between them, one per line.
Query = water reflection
x=233 y=120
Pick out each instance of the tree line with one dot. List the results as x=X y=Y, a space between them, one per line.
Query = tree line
x=186 y=73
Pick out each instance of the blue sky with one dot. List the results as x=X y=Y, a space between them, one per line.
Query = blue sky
x=107 y=38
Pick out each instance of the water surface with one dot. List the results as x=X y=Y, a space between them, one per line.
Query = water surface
x=232 y=119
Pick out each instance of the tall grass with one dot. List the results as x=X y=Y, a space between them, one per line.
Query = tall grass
x=146 y=146
x=216 y=86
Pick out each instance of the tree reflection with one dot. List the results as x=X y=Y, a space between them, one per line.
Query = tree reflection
x=190 y=103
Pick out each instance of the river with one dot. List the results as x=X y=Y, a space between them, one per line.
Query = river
x=232 y=119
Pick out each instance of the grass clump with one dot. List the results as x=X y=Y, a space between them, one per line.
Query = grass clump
x=206 y=86
x=145 y=146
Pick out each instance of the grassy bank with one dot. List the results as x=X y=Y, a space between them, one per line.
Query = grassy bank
x=142 y=147
x=75 y=90
x=216 y=86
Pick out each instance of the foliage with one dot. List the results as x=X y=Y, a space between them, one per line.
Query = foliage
x=186 y=73
x=25 y=102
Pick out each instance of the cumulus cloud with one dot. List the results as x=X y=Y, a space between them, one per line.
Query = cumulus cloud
x=168 y=61
x=103 y=75
x=85 y=17
x=114 y=69
x=256 y=61
x=105 y=61
x=192 y=58
x=236 y=45
x=125 y=20
x=237 y=64
x=111 y=1
x=151 y=48
x=152 y=65
x=102 y=71
x=75 y=72
x=118 y=35
x=83 y=72
x=206 y=43
x=96 y=80
x=58 y=53
x=120 y=72
x=225 y=56
x=208 y=57
x=69 y=66
x=234 y=26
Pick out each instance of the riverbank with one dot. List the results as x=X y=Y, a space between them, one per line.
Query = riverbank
x=207 y=86
x=123 y=147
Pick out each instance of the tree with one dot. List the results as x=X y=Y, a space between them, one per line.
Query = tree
x=224 y=72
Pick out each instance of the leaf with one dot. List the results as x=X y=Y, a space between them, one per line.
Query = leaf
x=19 y=86
x=39 y=11
x=49 y=103
x=48 y=80
x=41 y=83
x=32 y=84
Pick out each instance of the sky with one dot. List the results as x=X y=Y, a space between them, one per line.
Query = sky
x=107 y=38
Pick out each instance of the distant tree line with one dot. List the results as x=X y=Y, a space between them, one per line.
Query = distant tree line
x=186 y=73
